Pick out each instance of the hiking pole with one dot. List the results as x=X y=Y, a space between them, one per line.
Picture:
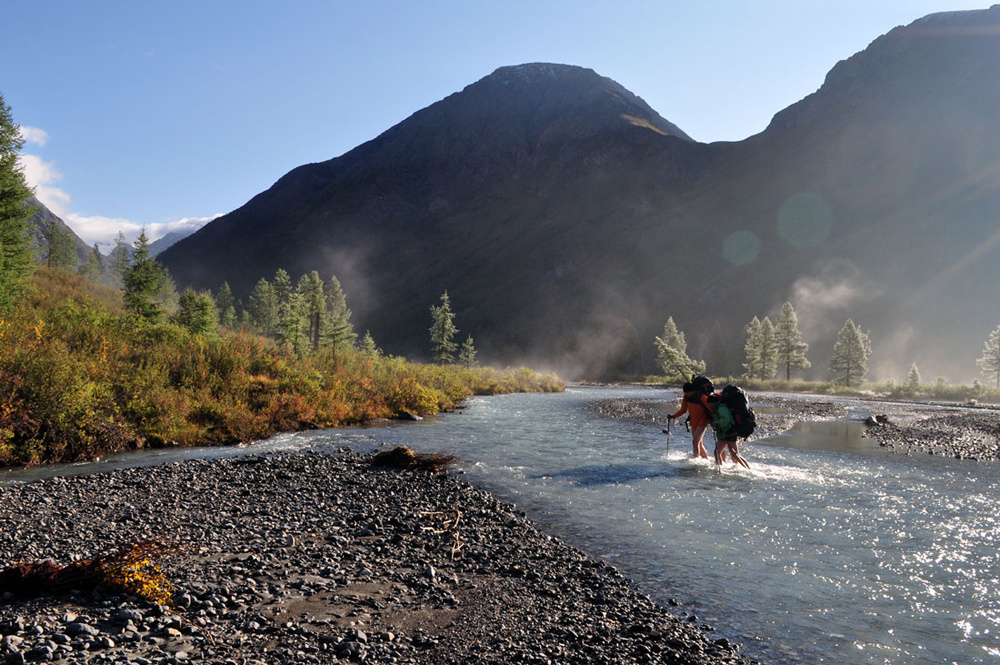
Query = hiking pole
x=670 y=421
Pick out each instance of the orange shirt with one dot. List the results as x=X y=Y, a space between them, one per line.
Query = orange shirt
x=698 y=409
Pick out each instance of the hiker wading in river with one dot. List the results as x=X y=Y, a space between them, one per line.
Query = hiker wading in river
x=695 y=405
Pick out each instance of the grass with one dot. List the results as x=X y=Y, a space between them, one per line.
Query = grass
x=80 y=378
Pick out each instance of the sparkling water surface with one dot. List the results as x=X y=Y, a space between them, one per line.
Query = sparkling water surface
x=827 y=550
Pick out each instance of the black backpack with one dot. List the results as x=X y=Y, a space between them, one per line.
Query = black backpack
x=736 y=400
x=702 y=385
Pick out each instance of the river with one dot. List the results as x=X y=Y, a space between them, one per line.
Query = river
x=827 y=549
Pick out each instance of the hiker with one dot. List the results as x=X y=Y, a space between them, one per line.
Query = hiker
x=726 y=432
x=695 y=405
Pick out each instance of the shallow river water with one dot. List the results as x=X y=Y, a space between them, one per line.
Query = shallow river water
x=826 y=550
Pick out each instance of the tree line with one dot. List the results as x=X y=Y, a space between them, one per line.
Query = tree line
x=769 y=347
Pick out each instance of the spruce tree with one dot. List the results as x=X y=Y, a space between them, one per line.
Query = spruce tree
x=197 y=313
x=989 y=362
x=443 y=332
x=368 y=346
x=913 y=378
x=768 y=350
x=467 y=354
x=851 y=351
x=118 y=261
x=671 y=353
x=225 y=306
x=791 y=349
x=752 y=349
x=143 y=282
x=262 y=308
x=16 y=259
x=339 y=331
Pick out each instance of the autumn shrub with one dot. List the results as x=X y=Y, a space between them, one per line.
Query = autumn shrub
x=80 y=377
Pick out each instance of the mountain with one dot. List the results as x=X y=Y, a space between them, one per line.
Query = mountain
x=567 y=219
x=160 y=245
x=41 y=221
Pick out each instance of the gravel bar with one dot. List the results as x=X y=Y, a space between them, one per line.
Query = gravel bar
x=323 y=558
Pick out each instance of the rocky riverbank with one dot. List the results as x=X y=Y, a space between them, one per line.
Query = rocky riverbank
x=315 y=558
x=962 y=431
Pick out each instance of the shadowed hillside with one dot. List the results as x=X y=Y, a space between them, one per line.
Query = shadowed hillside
x=568 y=220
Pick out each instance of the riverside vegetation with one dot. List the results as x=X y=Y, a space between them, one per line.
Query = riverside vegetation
x=81 y=377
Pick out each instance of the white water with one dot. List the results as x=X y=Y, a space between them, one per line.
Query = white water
x=827 y=550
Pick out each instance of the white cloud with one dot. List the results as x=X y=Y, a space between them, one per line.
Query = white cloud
x=42 y=176
x=34 y=135
x=104 y=230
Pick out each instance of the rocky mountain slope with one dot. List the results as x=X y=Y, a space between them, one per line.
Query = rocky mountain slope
x=568 y=220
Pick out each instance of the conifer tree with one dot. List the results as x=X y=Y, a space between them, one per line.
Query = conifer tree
x=752 y=349
x=310 y=289
x=768 y=350
x=16 y=259
x=118 y=261
x=989 y=362
x=851 y=351
x=443 y=332
x=93 y=267
x=262 y=308
x=144 y=282
x=339 y=331
x=467 y=354
x=60 y=251
x=368 y=346
x=197 y=312
x=225 y=306
x=671 y=353
x=913 y=378
x=791 y=349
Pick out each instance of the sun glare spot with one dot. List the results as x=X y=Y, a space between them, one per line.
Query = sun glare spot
x=741 y=248
x=805 y=220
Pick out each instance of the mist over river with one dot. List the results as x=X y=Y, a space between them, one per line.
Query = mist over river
x=828 y=550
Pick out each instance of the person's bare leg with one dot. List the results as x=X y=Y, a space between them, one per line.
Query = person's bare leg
x=698 y=443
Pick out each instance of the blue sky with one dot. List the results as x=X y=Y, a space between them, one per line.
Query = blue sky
x=159 y=114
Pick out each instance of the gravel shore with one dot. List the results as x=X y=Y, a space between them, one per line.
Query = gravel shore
x=962 y=431
x=323 y=558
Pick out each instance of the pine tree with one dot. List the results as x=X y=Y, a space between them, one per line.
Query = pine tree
x=16 y=259
x=791 y=349
x=851 y=351
x=913 y=378
x=143 y=282
x=443 y=332
x=467 y=354
x=671 y=353
x=989 y=362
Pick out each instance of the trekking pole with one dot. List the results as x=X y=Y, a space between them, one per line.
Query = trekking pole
x=670 y=421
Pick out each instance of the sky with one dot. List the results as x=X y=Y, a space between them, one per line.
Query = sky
x=163 y=114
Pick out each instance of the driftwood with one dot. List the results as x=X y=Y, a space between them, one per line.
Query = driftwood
x=404 y=459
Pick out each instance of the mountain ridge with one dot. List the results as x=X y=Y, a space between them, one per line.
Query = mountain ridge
x=568 y=220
